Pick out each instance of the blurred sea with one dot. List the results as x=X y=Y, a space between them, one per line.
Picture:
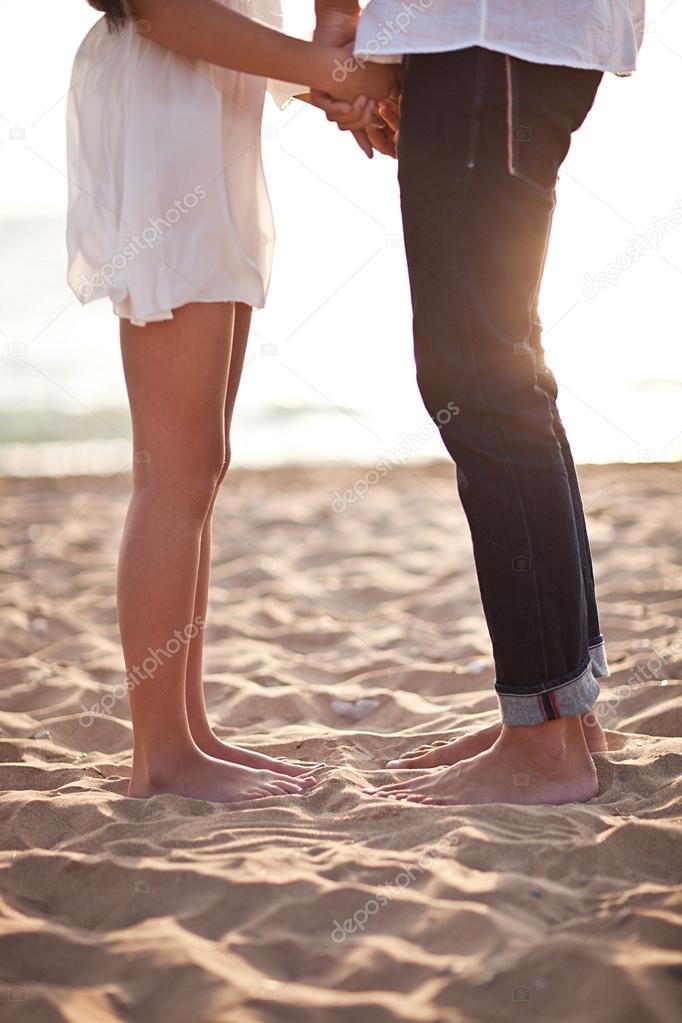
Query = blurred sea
x=344 y=392
x=329 y=374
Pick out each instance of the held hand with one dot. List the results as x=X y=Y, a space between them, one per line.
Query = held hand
x=351 y=77
x=385 y=138
x=356 y=111
x=355 y=117
x=337 y=28
x=375 y=126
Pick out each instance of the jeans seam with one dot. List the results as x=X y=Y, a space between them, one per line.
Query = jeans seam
x=510 y=114
x=476 y=106
x=508 y=460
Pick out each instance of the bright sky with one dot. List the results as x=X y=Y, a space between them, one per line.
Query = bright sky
x=339 y=307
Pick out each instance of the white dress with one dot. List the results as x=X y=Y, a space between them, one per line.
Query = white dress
x=167 y=197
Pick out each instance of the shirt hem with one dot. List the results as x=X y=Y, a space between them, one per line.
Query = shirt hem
x=388 y=55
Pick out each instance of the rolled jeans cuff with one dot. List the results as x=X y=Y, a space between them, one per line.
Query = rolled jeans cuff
x=559 y=698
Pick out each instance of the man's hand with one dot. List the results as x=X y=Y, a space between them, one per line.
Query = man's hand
x=385 y=138
x=337 y=22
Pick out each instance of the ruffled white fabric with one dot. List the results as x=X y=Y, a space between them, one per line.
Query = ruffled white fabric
x=167 y=198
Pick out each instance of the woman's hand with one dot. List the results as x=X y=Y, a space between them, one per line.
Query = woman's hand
x=351 y=78
x=351 y=100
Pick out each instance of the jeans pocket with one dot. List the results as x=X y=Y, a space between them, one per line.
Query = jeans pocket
x=544 y=105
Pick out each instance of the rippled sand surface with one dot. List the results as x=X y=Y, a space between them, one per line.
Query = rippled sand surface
x=333 y=907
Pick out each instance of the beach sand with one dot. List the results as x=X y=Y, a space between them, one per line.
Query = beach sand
x=334 y=907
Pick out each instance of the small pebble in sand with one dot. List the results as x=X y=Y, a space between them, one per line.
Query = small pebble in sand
x=357 y=710
x=41 y=734
x=477 y=666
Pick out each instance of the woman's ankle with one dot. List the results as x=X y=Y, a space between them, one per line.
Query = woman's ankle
x=155 y=764
x=200 y=727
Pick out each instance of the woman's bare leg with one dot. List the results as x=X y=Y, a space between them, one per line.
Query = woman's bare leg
x=176 y=374
x=199 y=724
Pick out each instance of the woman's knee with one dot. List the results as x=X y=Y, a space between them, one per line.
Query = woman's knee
x=206 y=473
x=223 y=468
x=186 y=478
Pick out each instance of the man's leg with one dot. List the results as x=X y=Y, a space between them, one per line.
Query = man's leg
x=477 y=209
x=445 y=753
x=593 y=731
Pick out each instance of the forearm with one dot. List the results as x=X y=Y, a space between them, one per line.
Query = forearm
x=206 y=30
x=347 y=7
x=336 y=20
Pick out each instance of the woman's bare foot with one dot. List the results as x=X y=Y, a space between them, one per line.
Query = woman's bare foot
x=209 y=743
x=444 y=753
x=547 y=763
x=197 y=776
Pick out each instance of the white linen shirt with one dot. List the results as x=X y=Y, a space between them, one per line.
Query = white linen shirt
x=603 y=35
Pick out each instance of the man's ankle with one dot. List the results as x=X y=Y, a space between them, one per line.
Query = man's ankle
x=563 y=735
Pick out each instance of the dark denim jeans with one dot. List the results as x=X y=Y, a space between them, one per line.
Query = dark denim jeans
x=482 y=138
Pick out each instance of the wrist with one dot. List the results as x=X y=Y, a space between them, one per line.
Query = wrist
x=327 y=68
x=336 y=22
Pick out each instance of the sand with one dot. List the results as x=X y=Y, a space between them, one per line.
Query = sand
x=335 y=906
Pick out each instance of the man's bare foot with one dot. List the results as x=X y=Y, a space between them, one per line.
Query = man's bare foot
x=547 y=763
x=595 y=736
x=444 y=753
x=197 y=776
